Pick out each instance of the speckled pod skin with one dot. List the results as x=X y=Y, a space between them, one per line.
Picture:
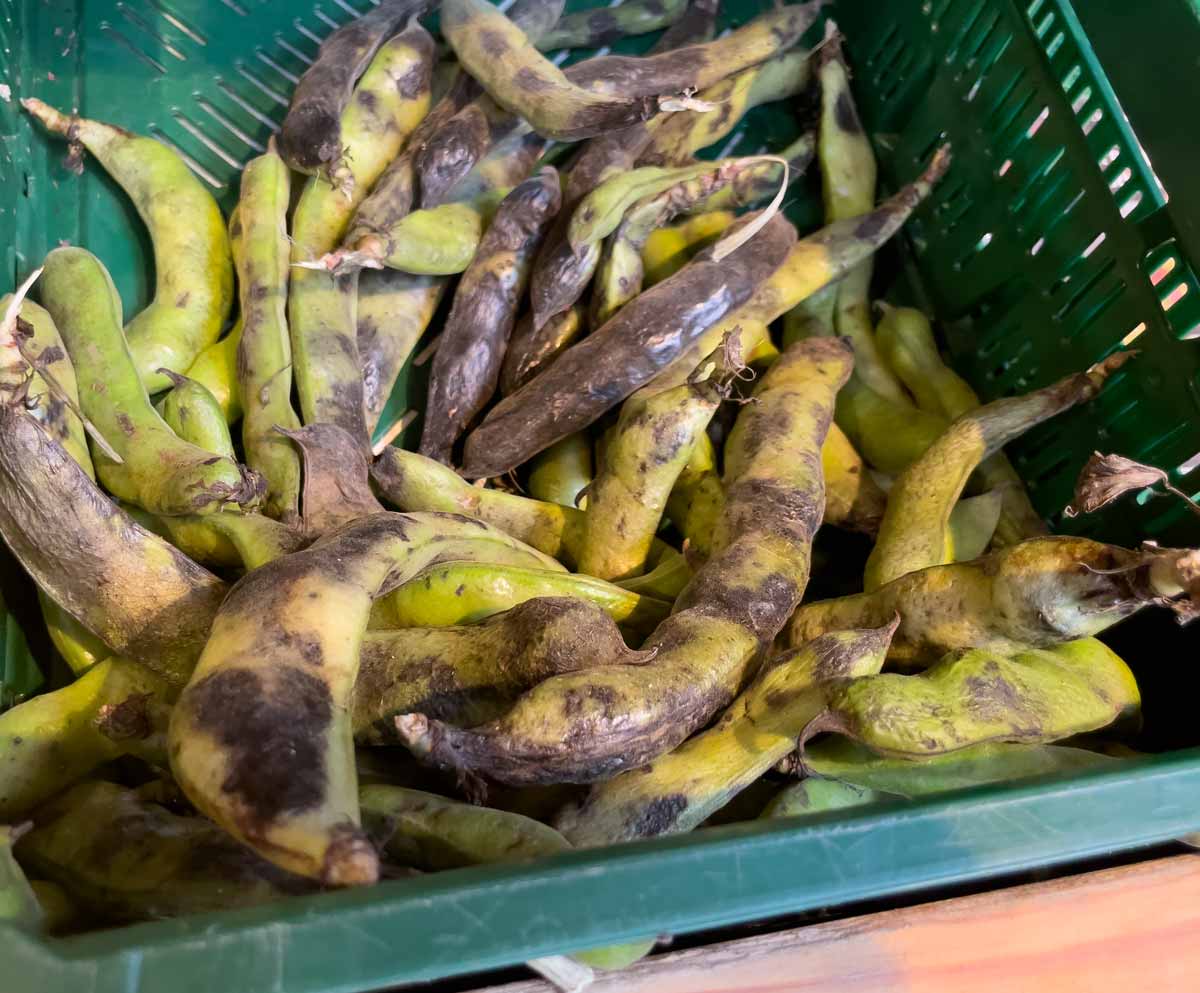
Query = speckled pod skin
x=587 y=727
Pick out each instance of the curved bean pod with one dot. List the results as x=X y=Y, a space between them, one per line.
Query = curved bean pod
x=467 y=675
x=192 y=265
x=971 y=698
x=652 y=443
x=464 y=592
x=312 y=138
x=260 y=739
x=906 y=341
x=159 y=471
x=1039 y=593
x=679 y=790
x=142 y=598
x=587 y=727
x=915 y=532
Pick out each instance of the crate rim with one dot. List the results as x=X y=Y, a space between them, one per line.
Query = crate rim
x=1116 y=802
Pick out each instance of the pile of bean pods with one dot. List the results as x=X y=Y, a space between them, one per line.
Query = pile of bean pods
x=576 y=615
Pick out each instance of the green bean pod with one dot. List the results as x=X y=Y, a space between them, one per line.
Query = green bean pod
x=532 y=349
x=563 y=472
x=698 y=499
x=915 y=532
x=193 y=270
x=972 y=523
x=906 y=341
x=226 y=539
x=390 y=101
x=431 y=832
x=586 y=727
x=216 y=369
x=55 y=739
x=652 y=443
x=498 y=54
x=127 y=859
x=853 y=500
x=193 y=413
x=602 y=26
x=466 y=592
x=679 y=790
x=45 y=346
x=1033 y=695
x=1038 y=593
x=665 y=581
x=470 y=674
x=158 y=471
x=467 y=365
x=841 y=759
x=262 y=255
x=818 y=796
x=77 y=645
x=394 y=311
x=890 y=435
x=412 y=482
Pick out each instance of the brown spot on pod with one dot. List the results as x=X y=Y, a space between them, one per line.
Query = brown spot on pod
x=658 y=816
x=274 y=736
x=846 y=114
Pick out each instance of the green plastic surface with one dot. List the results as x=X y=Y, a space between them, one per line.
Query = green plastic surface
x=1008 y=255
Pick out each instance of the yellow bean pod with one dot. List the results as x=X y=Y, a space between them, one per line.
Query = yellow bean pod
x=679 y=790
x=1039 y=593
x=970 y=698
x=915 y=532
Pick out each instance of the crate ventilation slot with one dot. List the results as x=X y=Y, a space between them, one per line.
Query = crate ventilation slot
x=233 y=114
x=1112 y=141
x=1176 y=287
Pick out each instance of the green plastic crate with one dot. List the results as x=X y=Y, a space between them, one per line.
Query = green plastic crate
x=1055 y=237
